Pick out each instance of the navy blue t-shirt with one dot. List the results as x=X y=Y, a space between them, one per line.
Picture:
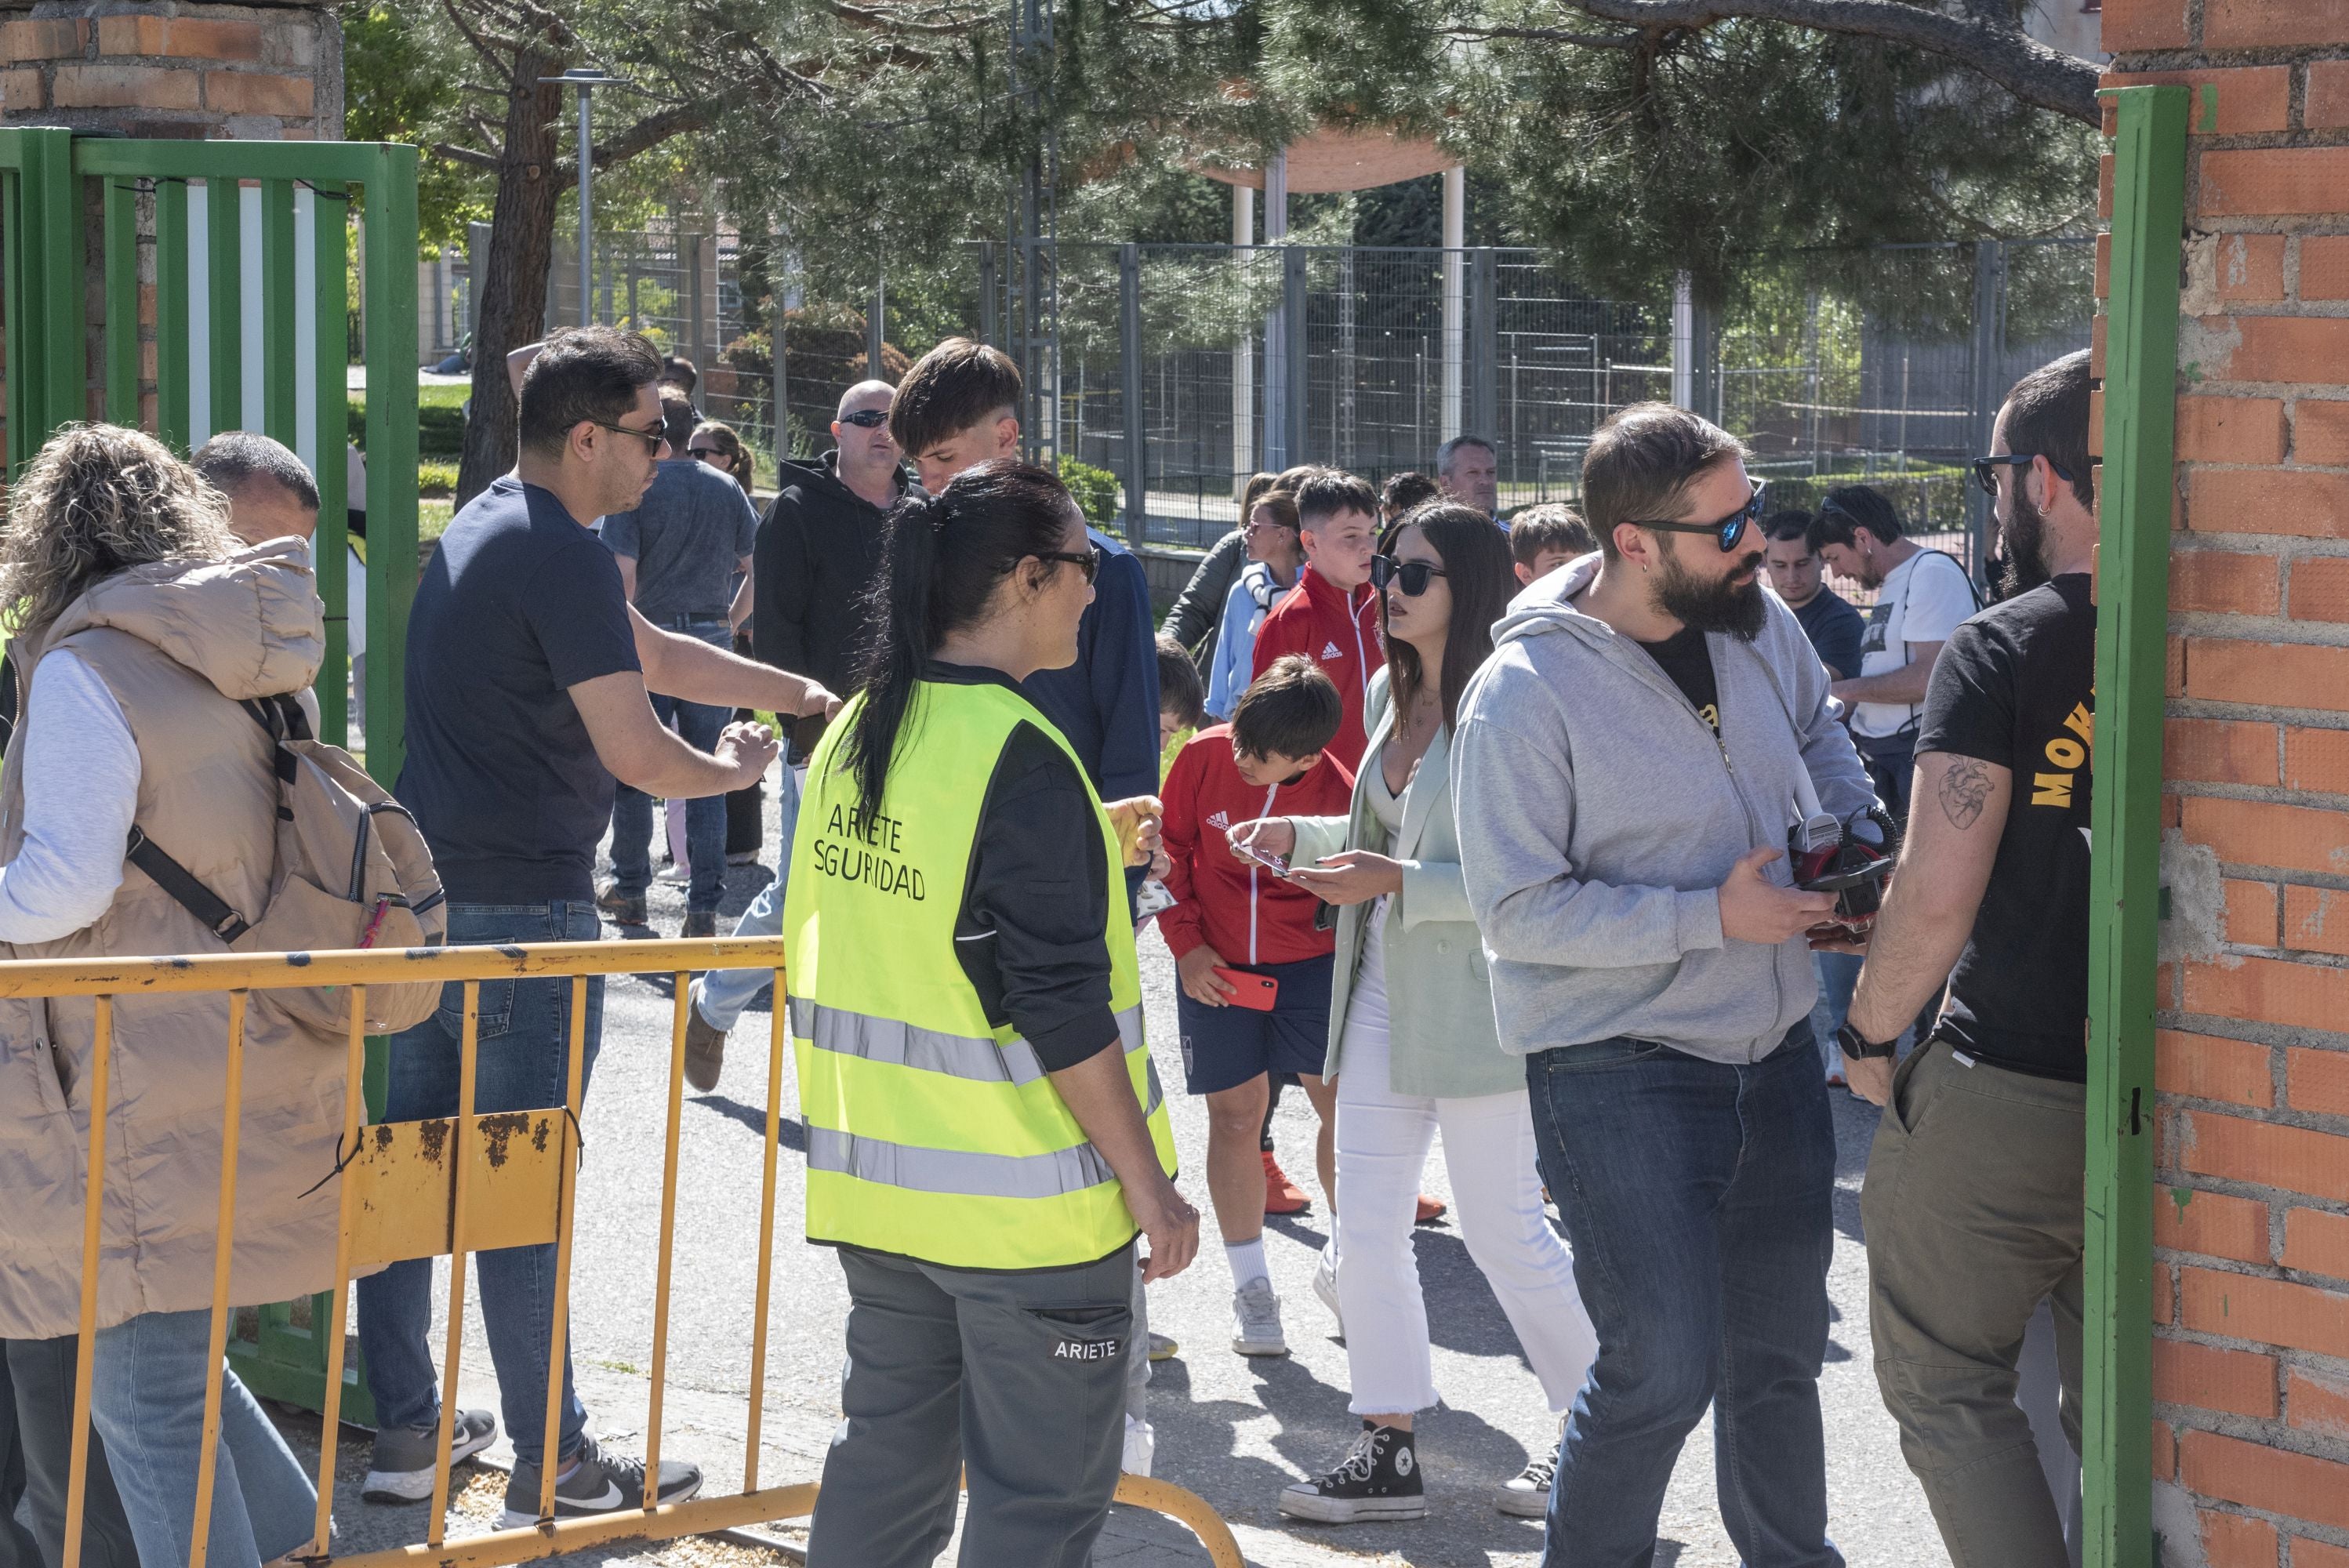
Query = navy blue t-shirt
x=1835 y=630
x=519 y=603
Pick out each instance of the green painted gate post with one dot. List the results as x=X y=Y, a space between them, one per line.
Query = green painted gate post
x=2140 y=386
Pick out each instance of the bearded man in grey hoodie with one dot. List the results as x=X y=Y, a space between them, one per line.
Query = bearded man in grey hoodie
x=1627 y=763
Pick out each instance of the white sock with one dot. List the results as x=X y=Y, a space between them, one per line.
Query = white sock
x=1247 y=1263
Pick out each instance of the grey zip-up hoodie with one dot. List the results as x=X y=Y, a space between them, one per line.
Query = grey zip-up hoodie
x=1599 y=816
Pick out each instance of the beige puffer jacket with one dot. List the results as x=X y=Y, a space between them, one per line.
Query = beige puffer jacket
x=180 y=645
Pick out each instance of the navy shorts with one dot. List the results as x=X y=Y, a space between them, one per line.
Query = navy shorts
x=1222 y=1048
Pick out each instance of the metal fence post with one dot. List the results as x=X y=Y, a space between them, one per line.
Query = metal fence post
x=1484 y=345
x=1296 y=384
x=780 y=255
x=1989 y=355
x=876 y=325
x=988 y=331
x=1129 y=373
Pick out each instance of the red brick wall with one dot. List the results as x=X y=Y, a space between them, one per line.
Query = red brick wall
x=2250 y=1364
x=176 y=68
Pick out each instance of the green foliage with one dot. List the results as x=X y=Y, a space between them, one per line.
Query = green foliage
x=1693 y=149
x=440 y=420
x=436 y=476
x=1094 y=490
x=398 y=87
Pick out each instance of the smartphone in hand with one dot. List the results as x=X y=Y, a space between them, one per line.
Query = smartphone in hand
x=1256 y=992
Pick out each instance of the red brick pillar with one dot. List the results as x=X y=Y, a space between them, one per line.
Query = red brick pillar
x=174 y=68
x=2250 y=1364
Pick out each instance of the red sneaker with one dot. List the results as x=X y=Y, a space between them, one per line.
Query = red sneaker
x=1429 y=1209
x=1280 y=1194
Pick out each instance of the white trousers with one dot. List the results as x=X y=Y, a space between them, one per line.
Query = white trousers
x=1488 y=1151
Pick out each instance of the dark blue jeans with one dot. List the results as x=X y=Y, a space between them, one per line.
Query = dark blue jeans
x=699 y=725
x=1699 y=1198
x=525 y=1035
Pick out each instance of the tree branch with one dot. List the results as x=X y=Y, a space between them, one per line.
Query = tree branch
x=879 y=19
x=466 y=155
x=2044 y=78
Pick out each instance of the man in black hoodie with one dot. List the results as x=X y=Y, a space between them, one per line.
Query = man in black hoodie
x=818 y=549
x=820 y=546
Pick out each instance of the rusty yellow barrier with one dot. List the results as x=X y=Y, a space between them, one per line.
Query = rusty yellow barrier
x=456 y=1185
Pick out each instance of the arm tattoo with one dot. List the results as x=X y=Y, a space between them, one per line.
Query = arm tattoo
x=1964 y=788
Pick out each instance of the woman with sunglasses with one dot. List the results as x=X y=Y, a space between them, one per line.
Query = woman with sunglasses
x=1412 y=1040
x=985 y=1134
x=721 y=448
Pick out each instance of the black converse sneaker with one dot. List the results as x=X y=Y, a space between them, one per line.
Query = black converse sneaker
x=1377 y=1479
x=1526 y=1495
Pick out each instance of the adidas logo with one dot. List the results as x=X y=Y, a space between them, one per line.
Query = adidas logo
x=1219 y=819
x=1330 y=651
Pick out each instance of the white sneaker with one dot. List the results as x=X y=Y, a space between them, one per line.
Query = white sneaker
x=1256 y=1320
x=1325 y=1285
x=1526 y=1495
x=1140 y=1446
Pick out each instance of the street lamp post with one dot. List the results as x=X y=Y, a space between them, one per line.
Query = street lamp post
x=587 y=78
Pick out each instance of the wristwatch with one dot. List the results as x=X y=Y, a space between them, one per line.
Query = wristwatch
x=1859 y=1047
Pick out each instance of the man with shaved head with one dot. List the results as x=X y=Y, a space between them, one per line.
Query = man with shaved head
x=818 y=549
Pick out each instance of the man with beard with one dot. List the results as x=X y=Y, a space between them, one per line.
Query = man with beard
x=1972 y=1205
x=1920 y=596
x=1625 y=770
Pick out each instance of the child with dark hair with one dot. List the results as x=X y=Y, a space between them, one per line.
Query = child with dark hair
x=1239 y=931
x=1404 y=490
x=1544 y=538
x=1181 y=697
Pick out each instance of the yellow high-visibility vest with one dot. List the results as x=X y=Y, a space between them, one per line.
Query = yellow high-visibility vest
x=930 y=1132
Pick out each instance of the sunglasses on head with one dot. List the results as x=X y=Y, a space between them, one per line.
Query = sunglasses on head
x=1727 y=530
x=1089 y=563
x=1410 y=576
x=866 y=419
x=1986 y=469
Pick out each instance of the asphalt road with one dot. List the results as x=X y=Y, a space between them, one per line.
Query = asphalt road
x=1233 y=1429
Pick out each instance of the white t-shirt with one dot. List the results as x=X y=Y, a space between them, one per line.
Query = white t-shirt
x=1921 y=601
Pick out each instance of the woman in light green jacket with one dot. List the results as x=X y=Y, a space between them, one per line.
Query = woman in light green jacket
x=1411 y=1038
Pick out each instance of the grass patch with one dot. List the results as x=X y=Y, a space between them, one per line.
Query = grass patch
x=436 y=476
x=440 y=420
x=433 y=515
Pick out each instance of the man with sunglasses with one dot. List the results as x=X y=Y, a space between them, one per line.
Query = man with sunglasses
x=1972 y=1205
x=1920 y=596
x=528 y=675
x=1626 y=768
x=682 y=549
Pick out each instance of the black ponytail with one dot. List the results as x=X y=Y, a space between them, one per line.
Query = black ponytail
x=942 y=557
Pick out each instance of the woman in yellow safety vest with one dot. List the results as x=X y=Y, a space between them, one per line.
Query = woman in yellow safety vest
x=985 y=1133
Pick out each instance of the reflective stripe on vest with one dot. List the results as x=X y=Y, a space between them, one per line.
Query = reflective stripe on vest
x=931 y=1131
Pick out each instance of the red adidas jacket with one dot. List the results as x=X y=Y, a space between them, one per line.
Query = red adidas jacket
x=1244 y=912
x=1341 y=636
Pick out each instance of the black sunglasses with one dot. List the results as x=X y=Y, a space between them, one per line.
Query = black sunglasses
x=1410 y=576
x=1089 y=563
x=1727 y=531
x=1986 y=469
x=866 y=419
x=654 y=439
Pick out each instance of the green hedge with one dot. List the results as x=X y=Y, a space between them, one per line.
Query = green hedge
x=439 y=421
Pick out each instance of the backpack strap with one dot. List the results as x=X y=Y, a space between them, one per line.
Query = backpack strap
x=193 y=896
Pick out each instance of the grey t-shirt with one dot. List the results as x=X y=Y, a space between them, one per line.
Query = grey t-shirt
x=687 y=538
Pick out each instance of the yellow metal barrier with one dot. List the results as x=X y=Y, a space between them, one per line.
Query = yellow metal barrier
x=456 y=1185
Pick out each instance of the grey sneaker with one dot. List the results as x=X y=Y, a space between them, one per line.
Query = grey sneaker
x=1256 y=1320
x=400 y=1467
x=1325 y=1285
x=598 y=1483
x=705 y=1052
x=1526 y=1495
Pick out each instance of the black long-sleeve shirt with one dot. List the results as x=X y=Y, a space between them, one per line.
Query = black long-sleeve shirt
x=817 y=553
x=1031 y=931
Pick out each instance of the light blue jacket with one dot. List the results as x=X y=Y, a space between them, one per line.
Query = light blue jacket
x=1440 y=1023
x=1252 y=597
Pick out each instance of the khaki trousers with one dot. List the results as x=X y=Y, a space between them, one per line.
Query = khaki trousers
x=1973 y=1211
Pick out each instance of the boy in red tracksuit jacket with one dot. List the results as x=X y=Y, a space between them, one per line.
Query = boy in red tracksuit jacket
x=1331 y=616
x=1243 y=918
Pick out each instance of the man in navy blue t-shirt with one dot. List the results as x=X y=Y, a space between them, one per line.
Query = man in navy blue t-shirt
x=527 y=687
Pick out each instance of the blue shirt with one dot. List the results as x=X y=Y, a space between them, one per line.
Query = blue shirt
x=689 y=538
x=1835 y=629
x=1106 y=703
x=519 y=603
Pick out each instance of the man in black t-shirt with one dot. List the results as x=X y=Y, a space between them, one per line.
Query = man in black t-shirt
x=1973 y=1199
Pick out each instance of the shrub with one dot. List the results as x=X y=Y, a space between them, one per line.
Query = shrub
x=1094 y=490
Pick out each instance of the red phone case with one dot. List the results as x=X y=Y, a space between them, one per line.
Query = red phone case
x=1256 y=991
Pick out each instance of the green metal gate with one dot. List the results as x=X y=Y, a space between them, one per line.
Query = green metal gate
x=237 y=255
x=2140 y=385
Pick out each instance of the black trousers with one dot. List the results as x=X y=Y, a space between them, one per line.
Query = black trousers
x=36 y=1394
